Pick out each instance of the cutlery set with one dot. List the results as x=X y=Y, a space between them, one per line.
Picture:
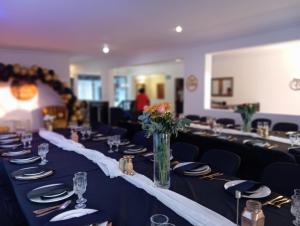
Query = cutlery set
x=46 y=211
x=277 y=202
x=214 y=176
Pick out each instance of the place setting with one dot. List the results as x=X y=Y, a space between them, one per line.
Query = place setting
x=190 y=168
x=32 y=173
x=58 y=192
x=259 y=143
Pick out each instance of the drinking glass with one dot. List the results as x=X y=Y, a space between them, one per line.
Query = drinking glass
x=117 y=142
x=158 y=219
x=43 y=149
x=295 y=209
x=79 y=186
x=88 y=132
x=217 y=129
x=293 y=139
x=110 y=142
x=26 y=139
x=297 y=191
x=83 y=133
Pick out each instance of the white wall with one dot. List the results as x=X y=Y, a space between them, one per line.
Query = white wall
x=170 y=70
x=13 y=109
x=261 y=75
x=194 y=63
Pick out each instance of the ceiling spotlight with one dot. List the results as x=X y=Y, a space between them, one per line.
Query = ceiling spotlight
x=105 y=49
x=178 y=29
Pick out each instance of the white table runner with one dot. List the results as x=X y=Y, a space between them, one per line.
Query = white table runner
x=193 y=212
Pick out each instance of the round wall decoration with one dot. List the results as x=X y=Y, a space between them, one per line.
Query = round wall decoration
x=191 y=83
x=23 y=90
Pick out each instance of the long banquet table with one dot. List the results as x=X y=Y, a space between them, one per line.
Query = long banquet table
x=124 y=203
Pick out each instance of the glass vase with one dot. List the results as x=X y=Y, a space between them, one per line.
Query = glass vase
x=246 y=126
x=161 y=149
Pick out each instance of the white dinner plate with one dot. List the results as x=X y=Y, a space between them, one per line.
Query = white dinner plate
x=7 y=136
x=15 y=153
x=200 y=171
x=25 y=160
x=7 y=141
x=13 y=146
x=74 y=213
x=135 y=151
x=262 y=192
x=57 y=199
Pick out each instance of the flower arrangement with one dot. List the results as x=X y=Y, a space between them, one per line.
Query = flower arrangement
x=159 y=121
x=158 y=118
x=247 y=111
x=48 y=121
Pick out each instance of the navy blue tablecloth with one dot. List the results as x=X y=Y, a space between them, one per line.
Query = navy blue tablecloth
x=126 y=204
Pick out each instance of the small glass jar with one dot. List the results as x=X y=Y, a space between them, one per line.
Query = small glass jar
x=253 y=214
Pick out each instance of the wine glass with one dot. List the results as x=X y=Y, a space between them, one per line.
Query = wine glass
x=83 y=133
x=117 y=142
x=295 y=209
x=110 y=142
x=158 y=219
x=293 y=139
x=29 y=139
x=43 y=149
x=79 y=186
x=26 y=139
x=88 y=132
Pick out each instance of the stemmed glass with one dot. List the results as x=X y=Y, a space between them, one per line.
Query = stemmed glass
x=83 y=132
x=79 y=186
x=293 y=139
x=158 y=219
x=26 y=139
x=88 y=132
x=43 y=149
x=295 y=207
x=117 y=142
x=110 y=142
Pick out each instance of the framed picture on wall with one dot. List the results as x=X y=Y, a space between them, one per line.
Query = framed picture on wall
x=160 y=88
x=222 y=87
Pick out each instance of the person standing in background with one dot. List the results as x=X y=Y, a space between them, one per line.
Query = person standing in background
x=141 y=101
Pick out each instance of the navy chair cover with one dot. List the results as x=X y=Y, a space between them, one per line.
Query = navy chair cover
x=118 y=131
x=226 y=121
x=255 y=121
x=285 y=126
x=296 y=153
x=139 y=138
x=185 y=152
x=193 y=117
x=102 y=128
x=282 y=177
x=223 y=161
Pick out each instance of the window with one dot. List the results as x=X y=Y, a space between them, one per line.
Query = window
x=120 y=89
x=89 y=87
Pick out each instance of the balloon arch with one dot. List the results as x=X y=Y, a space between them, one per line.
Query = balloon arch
x=21 y=75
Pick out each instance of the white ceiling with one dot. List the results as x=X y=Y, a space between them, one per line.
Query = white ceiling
x=135 y=26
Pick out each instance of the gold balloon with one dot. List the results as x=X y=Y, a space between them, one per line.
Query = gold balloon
x=48 y=77
x=78 y=113
x=73 y=118
x=31 y=72
x=34 y=68
x=17 y=70
x=77 y=104
x=45 y=71
x=23 y=71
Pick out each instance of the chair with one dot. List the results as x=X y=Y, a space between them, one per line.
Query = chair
x=223 y=161
x=285 y=127
x=61 y=116
x=226 y=122
x=296 y=153
x=255 y=121
x=193 y=117
x=102 y=128
x=118 y=131
x=184 y=152
x=140 y=138
x=282 y=177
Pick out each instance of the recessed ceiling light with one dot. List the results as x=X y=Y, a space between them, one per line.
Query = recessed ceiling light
x=178 y=29
x=105 y=49
x=178 y=60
